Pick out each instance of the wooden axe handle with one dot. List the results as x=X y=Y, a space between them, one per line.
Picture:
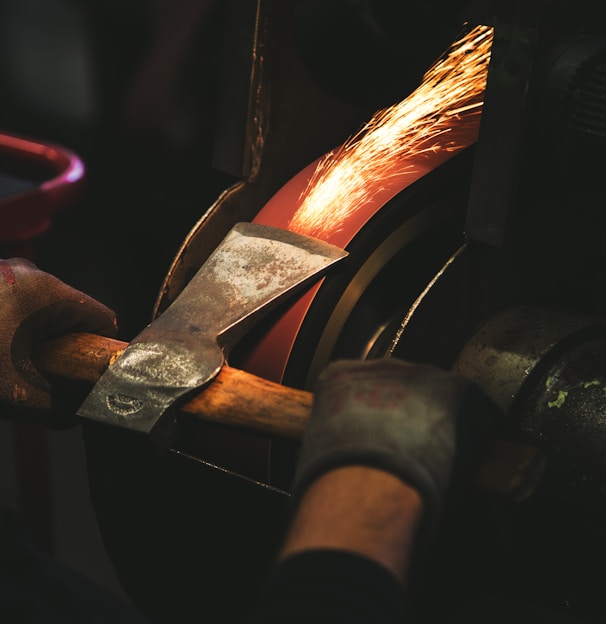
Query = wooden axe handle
x=235 y=397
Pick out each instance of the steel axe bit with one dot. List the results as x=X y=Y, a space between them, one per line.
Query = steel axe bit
x=253 y=269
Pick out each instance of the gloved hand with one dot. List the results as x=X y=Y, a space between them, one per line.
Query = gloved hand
x=36 y=306
x=419 y=422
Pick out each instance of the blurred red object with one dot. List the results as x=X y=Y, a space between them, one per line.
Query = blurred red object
x=37 y=180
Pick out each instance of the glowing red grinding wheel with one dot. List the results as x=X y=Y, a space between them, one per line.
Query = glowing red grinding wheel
x=374 y=196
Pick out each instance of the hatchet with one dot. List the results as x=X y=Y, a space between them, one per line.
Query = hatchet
x=184 y=349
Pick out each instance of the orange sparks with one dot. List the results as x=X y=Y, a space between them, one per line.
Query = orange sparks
x=427 y=122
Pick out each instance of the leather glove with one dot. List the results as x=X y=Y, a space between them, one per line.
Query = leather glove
x=416 y=421
x=36 y=306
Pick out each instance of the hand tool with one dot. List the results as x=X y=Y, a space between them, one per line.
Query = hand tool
x=251 y=271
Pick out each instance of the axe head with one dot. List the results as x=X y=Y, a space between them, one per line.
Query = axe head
x=252 y=270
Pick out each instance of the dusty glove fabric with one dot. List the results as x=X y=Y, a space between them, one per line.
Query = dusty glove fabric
x=416 y=421
x=36 y=306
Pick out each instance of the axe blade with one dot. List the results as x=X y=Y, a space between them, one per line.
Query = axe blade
x=251 y=271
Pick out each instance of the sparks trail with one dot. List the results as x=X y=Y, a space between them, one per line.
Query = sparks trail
x=448 y=100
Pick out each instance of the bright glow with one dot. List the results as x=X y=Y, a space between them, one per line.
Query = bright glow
x=449 y=97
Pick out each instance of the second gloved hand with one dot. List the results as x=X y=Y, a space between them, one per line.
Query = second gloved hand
x=416 y=421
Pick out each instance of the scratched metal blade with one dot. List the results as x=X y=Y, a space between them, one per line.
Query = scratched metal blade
x=252 y=270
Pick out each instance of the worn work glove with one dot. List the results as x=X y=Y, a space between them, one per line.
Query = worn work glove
x=36 y=306
x=416 y=421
